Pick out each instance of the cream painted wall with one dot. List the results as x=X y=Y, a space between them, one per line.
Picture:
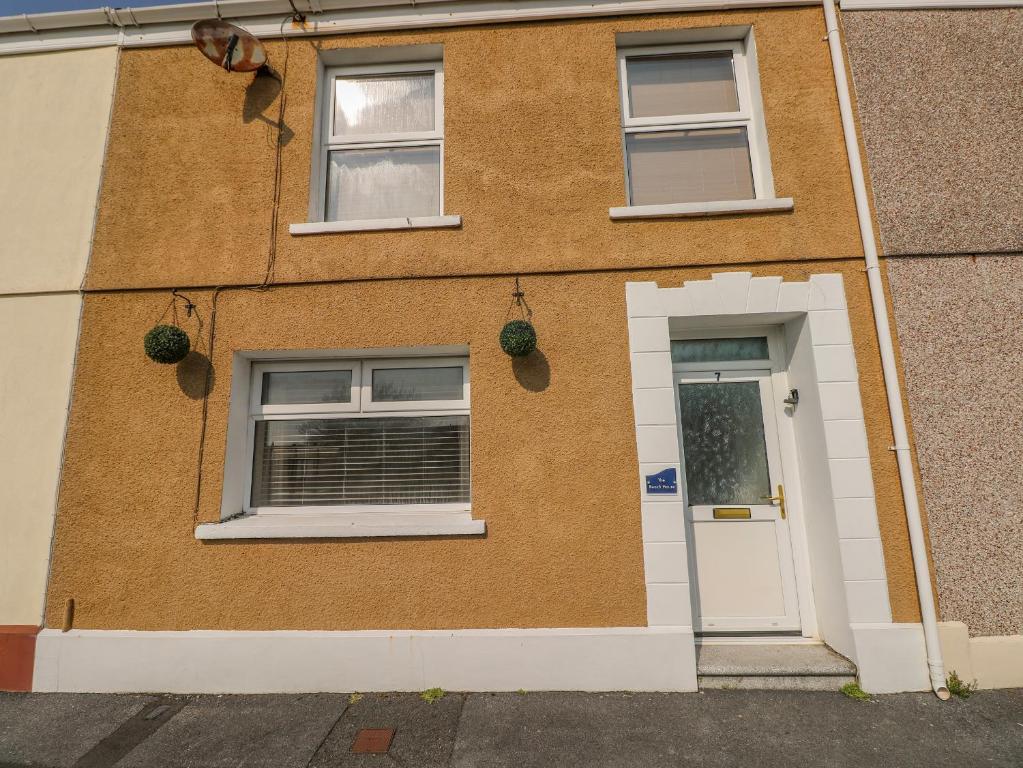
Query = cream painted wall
x=36 y=360
x=57 y=108
x=50 y=161
x=994 y=661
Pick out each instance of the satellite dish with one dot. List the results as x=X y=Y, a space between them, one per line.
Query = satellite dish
x=228 y=46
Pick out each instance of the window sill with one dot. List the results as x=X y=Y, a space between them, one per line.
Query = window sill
x=340 y=525
x=716 y=208
x=375 y=225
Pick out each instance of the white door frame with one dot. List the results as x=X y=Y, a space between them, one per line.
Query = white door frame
x=786 y=439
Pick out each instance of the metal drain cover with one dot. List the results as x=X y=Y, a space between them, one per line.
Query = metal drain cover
x=373 y=740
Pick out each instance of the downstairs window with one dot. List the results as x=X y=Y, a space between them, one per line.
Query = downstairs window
x=359 y=435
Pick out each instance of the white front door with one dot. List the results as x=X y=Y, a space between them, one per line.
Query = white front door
x=741 y=563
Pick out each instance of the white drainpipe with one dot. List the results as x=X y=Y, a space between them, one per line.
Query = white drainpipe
x=917 y=542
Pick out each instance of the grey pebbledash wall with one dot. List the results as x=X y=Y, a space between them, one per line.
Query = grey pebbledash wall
x=941 y=104
x=960 y=324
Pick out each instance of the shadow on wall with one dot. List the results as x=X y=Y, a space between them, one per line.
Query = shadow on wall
x=191 y=373
x=533 y=371
x=260 y=95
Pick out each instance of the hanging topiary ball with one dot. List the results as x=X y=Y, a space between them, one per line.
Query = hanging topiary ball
x=518 y=338
x=167 y=344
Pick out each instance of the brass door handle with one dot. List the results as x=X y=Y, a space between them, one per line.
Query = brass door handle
x=780 y=499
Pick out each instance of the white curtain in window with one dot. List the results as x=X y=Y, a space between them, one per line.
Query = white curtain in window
x=681 y=84
x=383 y=104
x=689 y=166
x=383 y=183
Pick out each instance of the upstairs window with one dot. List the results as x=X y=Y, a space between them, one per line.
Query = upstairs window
x=383 y=142
x=692 y=129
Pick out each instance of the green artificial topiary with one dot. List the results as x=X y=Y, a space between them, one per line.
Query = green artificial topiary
x=518 y=338
x=167 y=344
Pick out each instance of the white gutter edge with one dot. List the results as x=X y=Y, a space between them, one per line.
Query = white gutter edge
x=907 y=479
x=186 y=13
x=37 y=23
x=134 y=28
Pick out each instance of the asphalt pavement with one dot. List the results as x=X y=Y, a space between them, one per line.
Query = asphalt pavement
x=625 y=730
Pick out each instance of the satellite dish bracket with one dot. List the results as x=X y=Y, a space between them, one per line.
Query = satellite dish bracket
x=231 y=43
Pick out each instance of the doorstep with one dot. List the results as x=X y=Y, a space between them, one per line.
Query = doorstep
x=773 y=666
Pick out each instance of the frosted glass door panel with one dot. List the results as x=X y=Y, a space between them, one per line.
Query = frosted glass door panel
x=719 y=350
x=383 y=183
x=387 y=104
x=723 y=441
x=689 y=166
x=681 y=84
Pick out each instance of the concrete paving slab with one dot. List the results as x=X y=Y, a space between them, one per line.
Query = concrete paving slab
x=730 y=728
x=424 y=733
x=273 y=731
x=56 y=729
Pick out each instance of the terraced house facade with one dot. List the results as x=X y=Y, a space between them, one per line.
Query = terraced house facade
x=348 y=484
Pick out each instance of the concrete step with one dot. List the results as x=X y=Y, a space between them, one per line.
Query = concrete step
x=774 y=683
x=775 y=666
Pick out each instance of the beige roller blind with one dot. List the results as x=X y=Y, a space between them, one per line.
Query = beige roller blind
x=681 y=84
x=689 y=166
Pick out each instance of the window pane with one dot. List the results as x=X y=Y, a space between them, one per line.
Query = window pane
x=404 y=384
x=723 y=442
x=718 y=350
x=681 y=84
x=689 y=166
x=383 y=104
x=287 y=387
x=327 y=462
x=383 y=183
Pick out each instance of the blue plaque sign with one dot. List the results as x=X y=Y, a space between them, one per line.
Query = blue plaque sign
x=665 y=481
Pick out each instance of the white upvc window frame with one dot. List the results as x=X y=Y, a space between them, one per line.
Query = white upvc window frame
x=749 y=116
x=328 y=141
x=257 y=408
x=434 y=407
x=361 y=406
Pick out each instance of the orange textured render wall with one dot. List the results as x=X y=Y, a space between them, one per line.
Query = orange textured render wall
x=532 y=162
x=553 y=466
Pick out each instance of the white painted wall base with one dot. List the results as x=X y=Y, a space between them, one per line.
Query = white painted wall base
x=891 y=658
x=993 y=662
x=211 y=661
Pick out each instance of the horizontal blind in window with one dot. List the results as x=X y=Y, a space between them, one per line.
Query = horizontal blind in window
x=331 y=462
x=689 y=166
x=681 y=84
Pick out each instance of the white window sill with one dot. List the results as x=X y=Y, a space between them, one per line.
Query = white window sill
x=375 y=225
x=341 y=525
x=716 y=208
